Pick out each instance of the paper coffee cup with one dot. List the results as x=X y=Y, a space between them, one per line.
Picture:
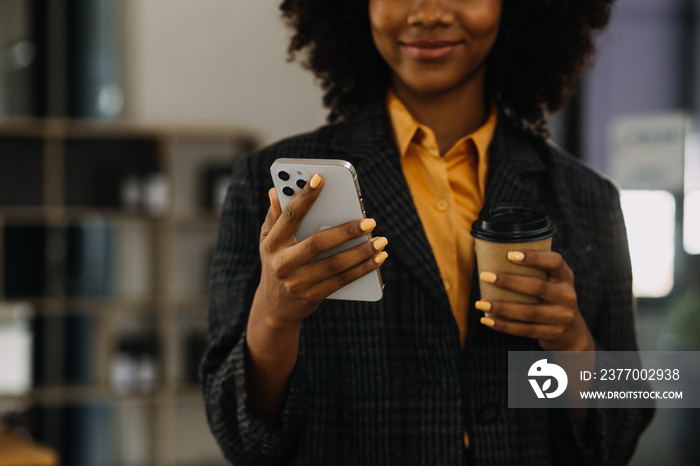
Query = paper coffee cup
x=510 y=226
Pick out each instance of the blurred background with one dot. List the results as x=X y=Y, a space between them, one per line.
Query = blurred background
x=120 y=121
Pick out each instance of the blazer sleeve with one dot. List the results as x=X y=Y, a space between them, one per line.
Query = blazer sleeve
x=611 y=434
x=244 y=438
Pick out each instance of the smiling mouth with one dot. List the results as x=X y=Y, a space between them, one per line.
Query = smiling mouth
x=431 y=49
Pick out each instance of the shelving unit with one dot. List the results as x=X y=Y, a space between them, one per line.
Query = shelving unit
x=119 y=287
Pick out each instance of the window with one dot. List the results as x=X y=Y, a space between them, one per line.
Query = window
x=650 y=217
x=691 y=222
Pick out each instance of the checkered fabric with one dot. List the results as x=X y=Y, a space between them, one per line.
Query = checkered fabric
x=387 y=383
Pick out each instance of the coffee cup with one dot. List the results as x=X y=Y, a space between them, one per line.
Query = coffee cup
x=510 y=226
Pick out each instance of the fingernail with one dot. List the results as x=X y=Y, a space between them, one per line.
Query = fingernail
x=488 y=277
x=315 y=181
x=489 y=322
x=380 y=242
x=381 y=257
x=515 y=256
x=483 y=306
x=269 y=193
x=368 y=224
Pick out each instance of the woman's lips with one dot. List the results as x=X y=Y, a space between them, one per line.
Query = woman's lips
x=430 y=49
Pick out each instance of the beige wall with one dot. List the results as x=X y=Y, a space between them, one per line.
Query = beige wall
x=216 y=62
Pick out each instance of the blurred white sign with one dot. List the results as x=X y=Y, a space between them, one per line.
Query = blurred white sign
x=648 y=152
x=15 y=348
x=692 y=160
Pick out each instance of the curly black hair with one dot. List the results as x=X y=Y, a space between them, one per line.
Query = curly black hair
x=542 y=48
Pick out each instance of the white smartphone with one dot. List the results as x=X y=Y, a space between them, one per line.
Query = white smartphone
x=340 y=201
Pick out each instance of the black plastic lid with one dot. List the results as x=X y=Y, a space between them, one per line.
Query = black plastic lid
x=512 y=222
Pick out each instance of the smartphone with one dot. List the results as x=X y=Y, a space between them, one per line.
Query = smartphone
x=340 y=201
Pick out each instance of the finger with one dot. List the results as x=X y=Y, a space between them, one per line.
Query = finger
x=550 y=261
x=322 y=269
x=533 y=313
x=273 y=213
x=296 y=210
x=338 y=281
x=548 y=291
x=523 y=329
x=275 y=202
x=324 y=240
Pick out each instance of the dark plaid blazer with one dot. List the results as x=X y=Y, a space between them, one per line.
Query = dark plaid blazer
x=387 y=383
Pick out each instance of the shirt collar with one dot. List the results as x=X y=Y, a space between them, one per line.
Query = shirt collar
x=406 y=130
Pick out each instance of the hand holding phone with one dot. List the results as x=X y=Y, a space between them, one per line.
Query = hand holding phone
x=293 y=280
x=339 y=203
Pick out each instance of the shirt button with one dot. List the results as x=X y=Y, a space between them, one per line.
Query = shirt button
x=441 y=205
x=448 y=286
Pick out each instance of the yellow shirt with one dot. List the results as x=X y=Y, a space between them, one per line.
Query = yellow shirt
x=448 y=192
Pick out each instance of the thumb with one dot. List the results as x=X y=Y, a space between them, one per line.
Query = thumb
x=273 y=213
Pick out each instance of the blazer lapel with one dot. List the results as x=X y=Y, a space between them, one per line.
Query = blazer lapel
x=514 y=173
x=368 y=145
x=513 y=162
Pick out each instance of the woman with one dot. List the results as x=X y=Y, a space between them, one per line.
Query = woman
x=440 y=106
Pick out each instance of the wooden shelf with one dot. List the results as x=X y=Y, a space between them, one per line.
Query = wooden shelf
x=77 y=394
x=196 y=218
x=154 y=295
x=190 y=305
x=95 y=307
x=61 y=395
x=18 y=451
x=92 y=129
x=31 y=215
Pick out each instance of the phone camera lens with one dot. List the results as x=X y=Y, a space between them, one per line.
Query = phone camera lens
x=301 y=183
x=284 y=176
x=288 y=191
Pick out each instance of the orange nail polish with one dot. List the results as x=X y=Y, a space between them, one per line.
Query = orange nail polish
x=380 y=242
x=483 y=306
x=381 y=257
x=489 y=322
x=515 y=256
x=488 y=277
x=367 y=224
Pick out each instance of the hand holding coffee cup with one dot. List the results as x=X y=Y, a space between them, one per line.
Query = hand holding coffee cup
x=505 y=228
x=526 y=290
